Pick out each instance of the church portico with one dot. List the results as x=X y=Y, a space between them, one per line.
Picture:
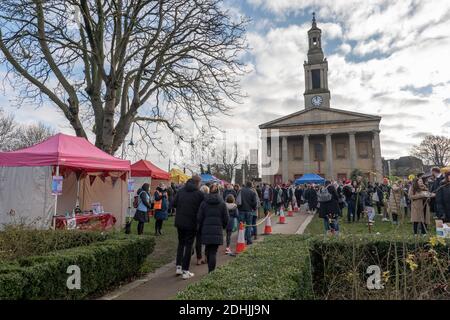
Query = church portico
x=333 y=155
x=320 y=139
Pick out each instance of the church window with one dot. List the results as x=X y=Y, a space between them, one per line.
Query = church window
x=318 y=152
x=298 y=151
x=363 y=149
x=315 y=41
x=340 y=150
x=315 y=78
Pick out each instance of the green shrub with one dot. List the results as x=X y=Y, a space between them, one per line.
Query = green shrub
x=272 y=269
x=102 y=264
x=20 y=241
x=412 y=268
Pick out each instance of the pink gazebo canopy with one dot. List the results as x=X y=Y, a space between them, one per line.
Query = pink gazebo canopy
x=66 y=151
x=144 y=168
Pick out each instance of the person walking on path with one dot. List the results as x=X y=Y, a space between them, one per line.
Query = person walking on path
x=277 y=199
x=443 y=198
x=267 y=196
x=212 y=219
x=161 y=207
x=144 y=206
x=329 y=209
x=198 y=238
x=233 y=213
x=246 y=202
x=229 y=190
x=394 y=202
x=420 y=209
x=435 y=185
x=187 y=202
x=255 y=215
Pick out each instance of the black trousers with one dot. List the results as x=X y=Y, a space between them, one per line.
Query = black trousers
x=211 y=256
x=184 y=250
x=158 y=225
x=140 y=227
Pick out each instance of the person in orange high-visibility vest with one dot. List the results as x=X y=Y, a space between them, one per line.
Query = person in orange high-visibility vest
x=160 y=207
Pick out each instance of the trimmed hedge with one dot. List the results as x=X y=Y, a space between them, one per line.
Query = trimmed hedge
x=269 y=270
x=102 y=264
x=18 y=241
x=411 y=268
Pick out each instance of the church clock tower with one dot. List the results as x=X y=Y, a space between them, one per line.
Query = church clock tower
x=316 y=93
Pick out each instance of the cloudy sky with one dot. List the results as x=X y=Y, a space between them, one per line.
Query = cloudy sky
x=388 y=58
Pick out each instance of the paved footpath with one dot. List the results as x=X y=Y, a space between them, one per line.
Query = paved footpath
x=164 y=285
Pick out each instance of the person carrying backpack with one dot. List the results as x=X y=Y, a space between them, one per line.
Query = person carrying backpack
x=143 y=206
x=329 y=209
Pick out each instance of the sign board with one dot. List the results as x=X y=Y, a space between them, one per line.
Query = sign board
x=130 y=185
x=57 y=183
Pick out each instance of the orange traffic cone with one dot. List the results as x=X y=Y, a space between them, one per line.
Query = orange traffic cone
x=296 y=209
x=290 y=212
x=240 y=246
x=282 y=218
x=268 y=226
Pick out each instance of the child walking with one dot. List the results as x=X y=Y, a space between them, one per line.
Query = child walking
x=232 y=222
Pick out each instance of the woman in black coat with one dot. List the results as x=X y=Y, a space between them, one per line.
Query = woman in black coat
x=443 y=198
x=330 y=211
x=212 y=219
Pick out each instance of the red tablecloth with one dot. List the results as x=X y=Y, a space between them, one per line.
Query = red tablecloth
x=101 y=221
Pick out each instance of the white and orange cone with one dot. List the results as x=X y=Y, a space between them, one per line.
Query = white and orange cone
x=282 y=218
x=240 y=245
x=268 y=226
x=290 y=212
x=296 y=208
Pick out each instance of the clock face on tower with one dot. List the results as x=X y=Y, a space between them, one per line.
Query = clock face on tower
x=317 y=101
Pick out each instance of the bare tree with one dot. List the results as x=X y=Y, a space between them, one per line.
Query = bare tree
x=433 y=150
x=29 y=135
x=119 y=62
x=7 y=131
x=227 y=162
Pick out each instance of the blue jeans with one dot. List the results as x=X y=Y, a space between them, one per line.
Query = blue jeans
x=266 y=206
x=351 y=211
x=246 y=217
x=328 y=225
x=254 y=220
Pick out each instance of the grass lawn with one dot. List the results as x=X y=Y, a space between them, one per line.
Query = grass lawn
x=165 y=245
x=357 y=228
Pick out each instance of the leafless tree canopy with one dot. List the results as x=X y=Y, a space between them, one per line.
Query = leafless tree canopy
x=14 y=136
x=434 y=150
x=107 y=64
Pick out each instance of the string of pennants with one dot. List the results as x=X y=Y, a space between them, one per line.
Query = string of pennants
x=83 y=174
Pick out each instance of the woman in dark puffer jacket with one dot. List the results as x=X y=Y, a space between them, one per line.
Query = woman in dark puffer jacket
x=212 y=219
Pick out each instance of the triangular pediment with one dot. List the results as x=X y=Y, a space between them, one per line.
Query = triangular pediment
x=319 y=115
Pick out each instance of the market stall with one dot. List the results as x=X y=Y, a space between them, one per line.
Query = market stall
x=209 y=178
x=310 y=178
x=62 y=181
x=178 y=177
x=144 y=171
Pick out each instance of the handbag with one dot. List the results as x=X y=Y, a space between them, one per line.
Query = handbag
x=375 y=197
x=235 y=225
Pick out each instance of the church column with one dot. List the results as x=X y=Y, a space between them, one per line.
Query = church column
x=352 y=146
x=377 y=156
x=306 y=164
x=285 y=160
x=329 y=145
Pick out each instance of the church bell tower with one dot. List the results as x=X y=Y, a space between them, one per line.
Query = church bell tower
x=317 y=94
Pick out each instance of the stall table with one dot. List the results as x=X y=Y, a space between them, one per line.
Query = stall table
x=102 y=221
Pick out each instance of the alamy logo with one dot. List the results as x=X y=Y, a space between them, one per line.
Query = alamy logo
x=374 y=279
x=74 y=280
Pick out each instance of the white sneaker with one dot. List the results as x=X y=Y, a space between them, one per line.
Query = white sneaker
x=187 y=275
x=179 y=271
x=385 y=219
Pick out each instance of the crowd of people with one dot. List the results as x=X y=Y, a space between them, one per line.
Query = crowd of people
x=206 y=214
